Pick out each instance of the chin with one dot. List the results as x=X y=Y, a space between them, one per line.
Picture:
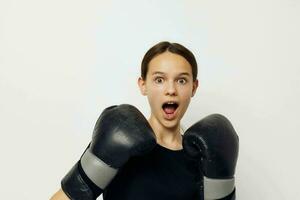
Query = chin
x=170 y=124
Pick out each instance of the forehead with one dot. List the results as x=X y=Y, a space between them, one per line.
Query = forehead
x=169 y=63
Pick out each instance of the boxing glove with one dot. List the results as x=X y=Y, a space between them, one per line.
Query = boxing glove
x=120 y=133
x=214 y=143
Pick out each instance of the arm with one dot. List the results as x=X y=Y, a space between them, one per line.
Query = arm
x=59 y=195
x=120 y=132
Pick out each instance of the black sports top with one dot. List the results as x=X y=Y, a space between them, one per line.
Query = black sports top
x=162 y=174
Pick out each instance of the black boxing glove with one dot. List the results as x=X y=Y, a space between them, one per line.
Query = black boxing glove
x=120 y=133
x=215 y=144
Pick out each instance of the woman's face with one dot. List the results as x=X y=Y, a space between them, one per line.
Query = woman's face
x=169 y=87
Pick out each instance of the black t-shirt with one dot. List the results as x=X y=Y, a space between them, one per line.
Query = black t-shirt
x=162 y=174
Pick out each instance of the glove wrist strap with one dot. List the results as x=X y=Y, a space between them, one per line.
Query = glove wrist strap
x=98 y=171
x=217 y=188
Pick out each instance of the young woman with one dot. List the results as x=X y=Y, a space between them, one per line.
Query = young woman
x=164 y=171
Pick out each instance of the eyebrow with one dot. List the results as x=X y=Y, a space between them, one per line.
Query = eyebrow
x=180 y=74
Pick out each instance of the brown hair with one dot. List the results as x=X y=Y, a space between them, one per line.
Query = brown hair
x=164 y=46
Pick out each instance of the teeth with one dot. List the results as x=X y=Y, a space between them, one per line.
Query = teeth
x=171 y=102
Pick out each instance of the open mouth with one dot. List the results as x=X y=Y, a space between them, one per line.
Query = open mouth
x=170 y=108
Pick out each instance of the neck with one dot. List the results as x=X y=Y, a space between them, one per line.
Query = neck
x=166 y=136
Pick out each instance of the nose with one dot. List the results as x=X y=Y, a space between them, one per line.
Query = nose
x=171 y=89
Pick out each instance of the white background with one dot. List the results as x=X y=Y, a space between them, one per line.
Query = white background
x=63 y=61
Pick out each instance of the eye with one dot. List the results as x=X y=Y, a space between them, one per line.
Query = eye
x=182 y=81
x=158 y=80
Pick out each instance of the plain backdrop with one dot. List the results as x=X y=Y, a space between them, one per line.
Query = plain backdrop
x=63 y=61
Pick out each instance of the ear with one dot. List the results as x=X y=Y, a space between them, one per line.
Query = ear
x=195 y=86
x=142 y=86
